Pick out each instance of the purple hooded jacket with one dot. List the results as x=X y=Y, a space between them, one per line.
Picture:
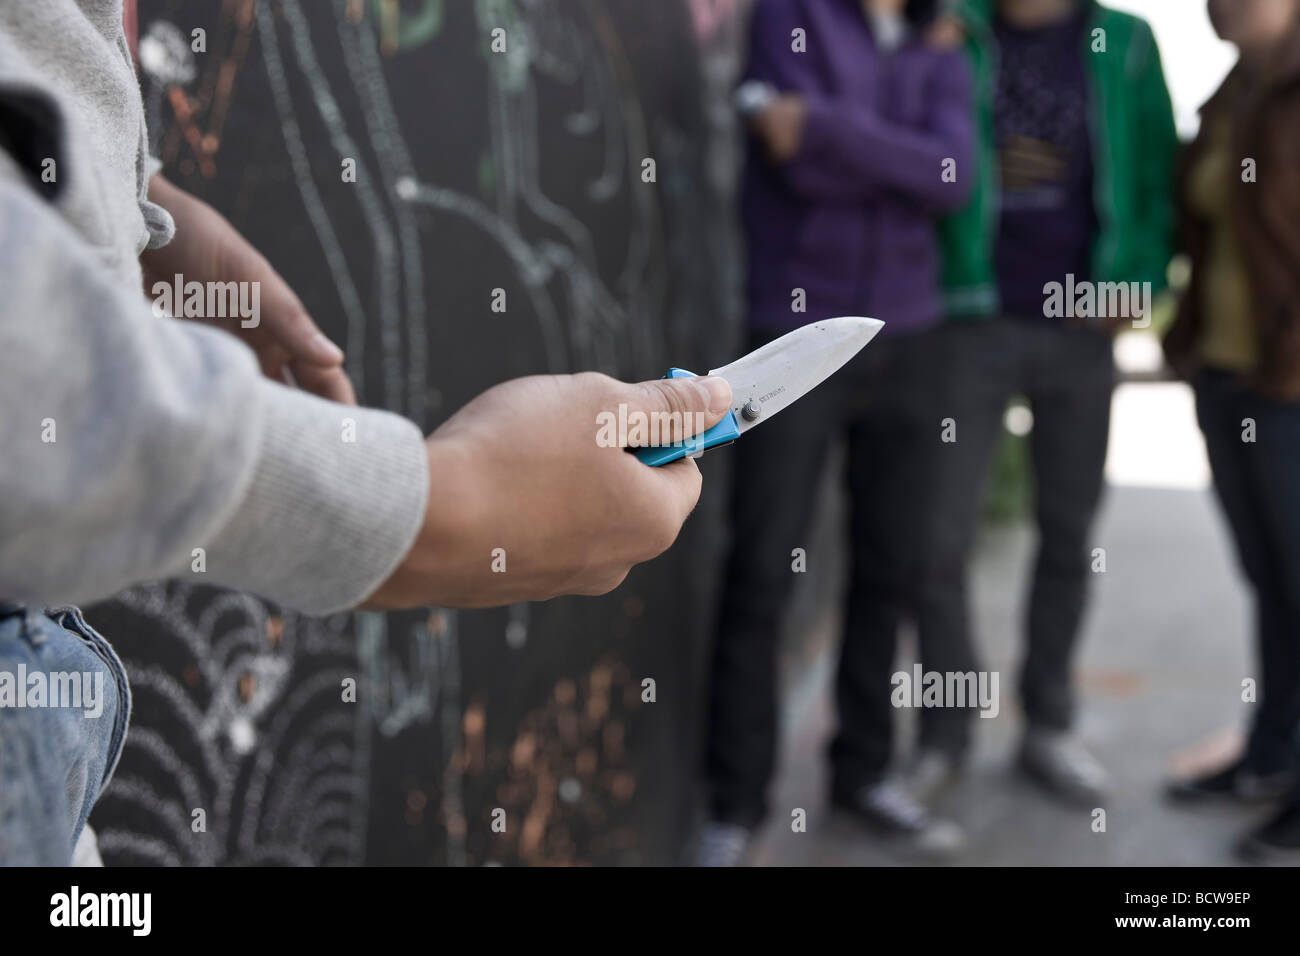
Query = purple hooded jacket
x=851 y=218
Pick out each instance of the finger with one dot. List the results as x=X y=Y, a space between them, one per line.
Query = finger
x=286 y=320
x=272 y=359
x=329 y=382
x=604 y=585
x=281 y=314
x=677 y=486
x=668 y=410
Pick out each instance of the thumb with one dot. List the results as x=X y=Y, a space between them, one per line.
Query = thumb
x=688 y=405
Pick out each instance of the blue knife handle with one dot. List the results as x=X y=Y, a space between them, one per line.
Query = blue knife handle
x=723 y=433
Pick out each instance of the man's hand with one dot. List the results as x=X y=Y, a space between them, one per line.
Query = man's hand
x=526 y=504
x=208 y=249
x=779 y=126
x=945 y=33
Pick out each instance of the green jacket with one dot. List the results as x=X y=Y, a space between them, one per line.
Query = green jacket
x=1133 y=145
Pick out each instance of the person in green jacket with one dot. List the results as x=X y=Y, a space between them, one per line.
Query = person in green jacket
x=1066 y=237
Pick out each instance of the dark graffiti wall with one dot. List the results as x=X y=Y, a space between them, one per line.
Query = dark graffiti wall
x=479 y=174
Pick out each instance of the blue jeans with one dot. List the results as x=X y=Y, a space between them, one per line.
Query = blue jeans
x=1258 y=484
x=58 y=750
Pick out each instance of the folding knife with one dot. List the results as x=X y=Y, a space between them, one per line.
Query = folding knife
x=770 y=378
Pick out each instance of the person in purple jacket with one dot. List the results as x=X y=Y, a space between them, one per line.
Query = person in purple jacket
x=860 y=124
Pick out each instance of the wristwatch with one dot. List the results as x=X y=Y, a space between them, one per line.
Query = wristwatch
x=753 y=96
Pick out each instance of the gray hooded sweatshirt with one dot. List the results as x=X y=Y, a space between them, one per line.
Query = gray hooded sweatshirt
x=134 y=446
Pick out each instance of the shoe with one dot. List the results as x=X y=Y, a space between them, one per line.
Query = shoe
x=722 y=844
x=889 y=810
x=1234 y=782
x=1063 y=765
x=930 y=772
x=1276 y=843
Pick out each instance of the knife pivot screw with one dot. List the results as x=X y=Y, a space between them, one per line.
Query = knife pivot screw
x=751 y=411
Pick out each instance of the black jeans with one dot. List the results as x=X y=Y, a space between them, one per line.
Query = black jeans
x=882 y=404
x=1258 y=484
x=1068 y=377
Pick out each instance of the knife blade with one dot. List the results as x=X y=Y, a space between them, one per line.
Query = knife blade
x=771 y=379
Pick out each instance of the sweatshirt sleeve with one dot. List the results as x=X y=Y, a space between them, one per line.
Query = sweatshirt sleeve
x=849 y=152
x=137 y=447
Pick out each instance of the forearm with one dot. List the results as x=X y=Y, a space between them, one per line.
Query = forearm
x=140 y=447
x=847 y=151
x=868 y=153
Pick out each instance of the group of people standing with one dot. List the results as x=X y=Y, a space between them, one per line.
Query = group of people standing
x=939 y=166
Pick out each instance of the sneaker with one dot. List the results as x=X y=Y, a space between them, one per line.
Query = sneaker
x=889 y=810
x=1234 y=782
x=931 y=772
x=1064 y=766
x=1276 y=843
x=722 y=844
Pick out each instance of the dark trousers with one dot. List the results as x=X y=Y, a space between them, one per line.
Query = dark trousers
x=1067 y=375
x=1258 y=484
x=882 y=405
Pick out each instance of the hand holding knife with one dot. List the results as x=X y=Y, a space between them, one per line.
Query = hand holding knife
x=771 y=378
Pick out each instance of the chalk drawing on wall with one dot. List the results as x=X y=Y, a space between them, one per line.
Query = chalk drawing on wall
x=238 y=701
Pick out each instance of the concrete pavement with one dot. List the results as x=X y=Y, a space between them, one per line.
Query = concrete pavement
x=1164 y=653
